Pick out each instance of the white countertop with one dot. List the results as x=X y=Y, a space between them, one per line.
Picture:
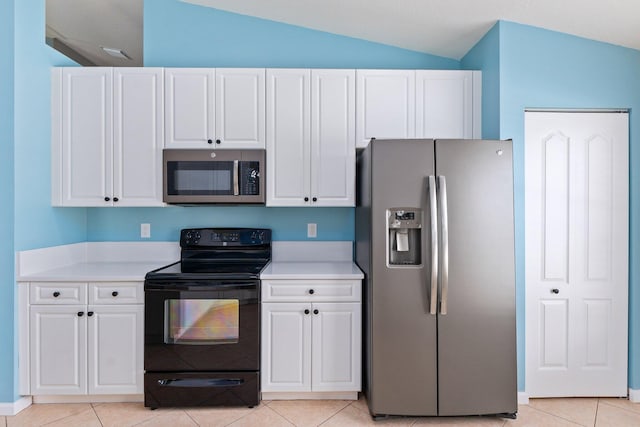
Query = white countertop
x=95 y=272
x=311 y=270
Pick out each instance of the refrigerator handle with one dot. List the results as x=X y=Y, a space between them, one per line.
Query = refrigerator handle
x=434 y=244
x=444 y=227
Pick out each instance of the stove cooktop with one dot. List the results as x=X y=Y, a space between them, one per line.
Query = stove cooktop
x=178 y=271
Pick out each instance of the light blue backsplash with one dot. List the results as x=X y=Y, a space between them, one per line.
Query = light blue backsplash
x=7 y=322
x=545 y=69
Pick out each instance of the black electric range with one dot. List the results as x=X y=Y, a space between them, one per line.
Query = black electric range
x=202 y=320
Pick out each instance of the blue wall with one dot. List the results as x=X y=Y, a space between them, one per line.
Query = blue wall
x=6 y=207
x=546 y=69
x=186 y=35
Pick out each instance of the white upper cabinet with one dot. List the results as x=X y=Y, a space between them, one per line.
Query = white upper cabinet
x=190 y=107
x=240 y=115
x=138 y=136
x=214 y=108
x=107 y=136
x=448 y=104
x=310 y=137
x=385 y=105
x=418 y=104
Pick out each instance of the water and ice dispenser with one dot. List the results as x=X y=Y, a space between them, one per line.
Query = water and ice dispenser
x=404 y=242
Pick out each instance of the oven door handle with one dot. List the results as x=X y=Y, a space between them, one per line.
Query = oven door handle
x=201 y=382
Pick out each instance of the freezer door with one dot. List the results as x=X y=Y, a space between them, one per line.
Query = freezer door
x=476 y=323
x=400 y=342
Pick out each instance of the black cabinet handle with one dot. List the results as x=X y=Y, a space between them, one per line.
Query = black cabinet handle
x=114 y=293
x=106 y=199
x=218 y=141
x=90 y=313
x=555 y=291
x=306 y=199
x=316 y=311
x=306 y=311
x=56 y=294
x=311 y=291
x=315 y=199
x=80 y=313
x=209 y=141
x=115 y=199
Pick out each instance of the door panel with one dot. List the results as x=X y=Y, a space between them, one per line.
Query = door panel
x=476 y=335
x=576 y=204
x=401 y=341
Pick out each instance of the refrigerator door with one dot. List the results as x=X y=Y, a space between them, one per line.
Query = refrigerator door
x=477 y=328
x=401 y=331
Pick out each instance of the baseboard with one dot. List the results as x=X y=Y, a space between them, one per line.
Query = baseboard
x=89 y=398
x=634 y=395
x=332 y=395
x=523 y=398
x=13 y=408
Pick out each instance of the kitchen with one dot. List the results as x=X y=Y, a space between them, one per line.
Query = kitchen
x=511 y=56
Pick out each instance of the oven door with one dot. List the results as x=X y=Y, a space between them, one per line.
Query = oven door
x=202 y=326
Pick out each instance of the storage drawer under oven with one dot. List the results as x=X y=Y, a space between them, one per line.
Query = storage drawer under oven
x=184 y=389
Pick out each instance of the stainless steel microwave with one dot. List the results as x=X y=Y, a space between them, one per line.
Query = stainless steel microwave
x=213 y=176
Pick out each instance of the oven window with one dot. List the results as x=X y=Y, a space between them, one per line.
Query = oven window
x=202 y=321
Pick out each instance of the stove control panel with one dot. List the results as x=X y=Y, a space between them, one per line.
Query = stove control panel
x=207 y=237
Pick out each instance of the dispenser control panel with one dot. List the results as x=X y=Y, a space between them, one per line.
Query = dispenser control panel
x=405 y=218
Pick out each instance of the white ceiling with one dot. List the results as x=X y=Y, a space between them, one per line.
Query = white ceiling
x=446 y=28
x=86 y=25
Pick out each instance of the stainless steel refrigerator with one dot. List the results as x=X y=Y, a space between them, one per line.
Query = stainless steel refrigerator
x=435 y=239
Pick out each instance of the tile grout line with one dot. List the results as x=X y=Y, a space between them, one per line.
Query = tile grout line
x=621 y=408
x=191 y=418
x=595 y=420
x=93 y=408
x=558 y=416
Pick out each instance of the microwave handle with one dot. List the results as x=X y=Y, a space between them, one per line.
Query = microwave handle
x=236 y=190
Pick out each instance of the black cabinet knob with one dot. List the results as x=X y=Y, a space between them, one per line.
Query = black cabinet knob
x=80 y=313
x=306 y=199
x=555 y=291
x=106 y=199
x=114 y=293
x=315 y=199
x=311 y=291
x=218 y=141
x=90 y=313
x=316 y=311
x=56 y=294
x=115 y=199
x=209 y=141
x=306 y=311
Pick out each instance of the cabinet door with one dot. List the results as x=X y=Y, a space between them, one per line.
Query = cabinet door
x=58 y=349
x=240 y=119
x=81 y=136
x=138 y=136
x=445 y=104
x=115 y=348
x=385 y=105
x=286 y=346
x=189 y=107
x=288 y=137
x=336 y=347
x=333 y=149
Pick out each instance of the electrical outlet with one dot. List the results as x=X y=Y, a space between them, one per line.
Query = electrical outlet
x=312 y=230
x=145 y=231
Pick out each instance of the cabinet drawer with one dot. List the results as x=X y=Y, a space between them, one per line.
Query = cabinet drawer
x=58 y=293
x=311 y=290
x=116 y=293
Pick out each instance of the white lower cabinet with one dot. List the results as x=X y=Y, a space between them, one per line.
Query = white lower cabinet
x=81 y=348
x=310 y=346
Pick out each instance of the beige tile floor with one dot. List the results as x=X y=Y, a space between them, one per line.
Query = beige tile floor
x=539 y=412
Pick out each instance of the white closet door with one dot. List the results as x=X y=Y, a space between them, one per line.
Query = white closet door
x=576 y=233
